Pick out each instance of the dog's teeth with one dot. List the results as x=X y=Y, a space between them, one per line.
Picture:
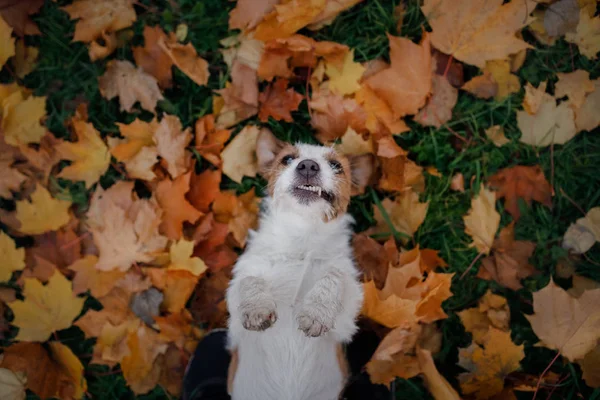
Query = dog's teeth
x=319 y=191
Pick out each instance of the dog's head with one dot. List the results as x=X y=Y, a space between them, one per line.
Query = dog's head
x=308 y=179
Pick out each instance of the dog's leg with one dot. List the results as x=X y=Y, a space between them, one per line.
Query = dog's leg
x=322 y=305
x=257 y=305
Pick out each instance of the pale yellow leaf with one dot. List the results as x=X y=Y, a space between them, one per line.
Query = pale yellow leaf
x=482 y=220
x=42 y=213
x=239 y=156
x=13 y=258
x=181 y=258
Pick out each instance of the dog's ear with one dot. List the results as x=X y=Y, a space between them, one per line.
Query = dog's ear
x=267 y=148
x=361 y=171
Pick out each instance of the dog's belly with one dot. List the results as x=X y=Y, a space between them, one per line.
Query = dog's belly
x=281 y=363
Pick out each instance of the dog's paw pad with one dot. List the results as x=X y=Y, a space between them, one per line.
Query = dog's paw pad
x=259 y=318
x=313 y=326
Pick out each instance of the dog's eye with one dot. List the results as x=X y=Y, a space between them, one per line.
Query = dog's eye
x=336 y=166
x=287 y=159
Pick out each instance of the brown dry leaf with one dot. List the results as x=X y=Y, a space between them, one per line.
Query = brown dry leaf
x=565 y=323
x=125 y=228
x=137 y=135
x=139 y=367
x=575 y=85
x=95 y=18
x=87 y=277
x=482 y=86
x=496 y=135
x=288 y=18
x=391 y=312
x=204 y=188
x=489 y=364
x=239 y=157
x=60 y=248
x=152 y=58
x=239 y=212
x=436 y=291
x=99 y=50
x=277 y=101
x=17 y=14
x=209 y=140
x=210 y=237
x=40 y=161
x=438 y=110
x=589 y=366
x=587 y=35
x=330 y=12
x=458 y=183
x=115 y=311
x=587 y=117
x=249 y=13
x=10 y=179
x=239 y=98
x=208 y=302
x=437 y=385
x=42 y=213
x=406 y=85
x=482 y=221
x=332 y=114
x=171 y=140
x=448 y=67
x=492 y=311
x=561 y=17
x=534 y=97
x=476 y=31
x=507 y=82
x=111 y=345
x=393 y=162
x=186 y=59
x=131 y=85
x=521 y=182
x=406 y=213
x=372 y=261
x=177 y=210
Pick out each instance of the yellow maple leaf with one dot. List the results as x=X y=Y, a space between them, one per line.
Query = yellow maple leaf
x=137 y=134
x=25 y=58
x=353 y=143
x=71 y=366
x=482 y=220
x=587 y=35
x=21 y=115
x=181 y=258
x=507 y=82
x=43 y=213
x=406 y=213
x=139 y=367
x=346 y=80
x=7 y=43
x=496 y=135
x=239 y=157
x=489 y=364
x=391 y=312
x=13 y=258
x=576 y=85
x=45 y=309
x=475 y=31
x=89 y=154
x=98 y=17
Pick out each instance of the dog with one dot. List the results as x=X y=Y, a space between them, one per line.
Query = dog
x=295 y=295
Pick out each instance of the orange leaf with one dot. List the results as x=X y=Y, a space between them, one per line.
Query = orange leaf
x=371 y=260
x=179 y=286
x=187 y=60
x=277 y=102
x=139 y=367
x=210 y=141
x=208 y=302
x=152 y=58
x=391 y=312
x=177 y=210
x=204 y=188
x=288 y=19
x=249 y=13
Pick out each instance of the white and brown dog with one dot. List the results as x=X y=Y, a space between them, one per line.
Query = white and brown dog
x=294 y=297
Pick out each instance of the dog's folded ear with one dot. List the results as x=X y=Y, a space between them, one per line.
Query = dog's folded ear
x=361 y=170
x=267 y=148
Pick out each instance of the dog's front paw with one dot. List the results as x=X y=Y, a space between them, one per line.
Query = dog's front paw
x=258 y=317
x=314 y=322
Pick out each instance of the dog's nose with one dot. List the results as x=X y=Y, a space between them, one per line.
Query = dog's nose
x=308 y=168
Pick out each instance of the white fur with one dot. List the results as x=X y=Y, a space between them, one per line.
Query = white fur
x=297 y=271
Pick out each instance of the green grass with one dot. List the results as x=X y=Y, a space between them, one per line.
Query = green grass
x=66 y=75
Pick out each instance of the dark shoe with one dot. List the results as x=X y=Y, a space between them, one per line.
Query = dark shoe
x=206 y=374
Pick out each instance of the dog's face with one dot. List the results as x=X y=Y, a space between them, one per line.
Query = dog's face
x=308 y=179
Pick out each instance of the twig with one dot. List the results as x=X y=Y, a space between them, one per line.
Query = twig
x=552 y=165
x=539 y=382
x=471 y=265
x=572 y=201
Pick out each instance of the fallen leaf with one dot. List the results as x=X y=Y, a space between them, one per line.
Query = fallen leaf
x=131 y=85
x=288 y=18
x=345 y=81
x=139 y=367
x=239 y=98
x=152 y=58
x=583 y=233
x=437 y=385
x=111 y=345
x=438 y=110
x=565 y=323
x=587 y=117
x=575 y=85
x=448 y=67
x=137 y=135
x=239 y=156
x=561 y=17
x=13 y=258
x=209 y=140
x=187 y=60
x=204 y=188
x=7 y=42
x=181 y=258
x=208 y=302
x=407 y=83
x=392 y=312
x=406 y=213
x=521 y=182
x=534 y=97
x=458 y=183
x=71 y=366
x=330 y=12
x=239 y=212
x=12 y=385
x=115 y=311
x=11 y=179
x=95 y=18
x=103 y=46
x=17 y=14
x=42 y=213
x=507 y=82
x=26 y=58
x=61 y=247
x=247 y=14
x=589 y=366
x=46 y=309
x=177 y=210
x=482 y=220
x=492 y=311
x=496 y=135
x=171 y=141
x=587 y=35
x=489 y=364
x=277 y=101
x=332 y=114
x=429 y=309
x=476 y=31
x=141 y=165
x=88 y=277
x=179 y=286
x=21 y=115
x=379 y=119
x=370 y=259
x=482 y=86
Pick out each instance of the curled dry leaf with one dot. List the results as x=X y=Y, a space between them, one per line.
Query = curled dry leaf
x=186 y=59
x=458 y=183
x=496 y=135
x=152 y=58
x=371 y=258
x=95 y=18
x=437 y=385
x=584 y=233
x=482 y=220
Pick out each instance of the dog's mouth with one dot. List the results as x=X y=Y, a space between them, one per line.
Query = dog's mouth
x=312 y=192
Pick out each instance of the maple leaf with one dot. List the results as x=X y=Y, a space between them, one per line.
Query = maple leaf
x=89 y=154
x=405 y=213
x=482 y=220
x=589 y=366
x=407 y=83
x=208 y=302
x=60 y=248
x=17 y=13
x=521 y=182
x=371 y=260
x=122 y=79
x=152 y=57
x=125 y=228
x=482 y=86
x=248 y=13
x=288 y=18
x=204 y=188
x=332 y=114
x=492 y=311
x=52 y=373
x=177 y=286
x=392 y=312
x=210 y=237
x=379 y=119
x=561 y=17
x=587 y=35
x=506 y=82
x=187 y=60
x=586 y=117
x=209 y=140
x=43 y=213
x=171 y=141
x=46 y=309
x=21 y=114
x=139 y=367
x=137 y=134
x=239 y=157
x=565 y=323
x=344 y=81
x=102 y=49
x=575 y=85
x=7 y=43
x=177 y=210
x=11 y=179
x=489 y=364
x=26 y=58
x=496 y=135
x=437 y=290
x=12 y=385
x=239 y=98
x=88 y=277
x=583 y=233
x=13 y=258
x=141 y=165
x=111 y=345
x=437 y=385
x=181 y=258
x=438 y=109
x=331 y=10
x=475 y=31
x=239 y=212
x=277 y=102
x=353 y=143
x=95 y=18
